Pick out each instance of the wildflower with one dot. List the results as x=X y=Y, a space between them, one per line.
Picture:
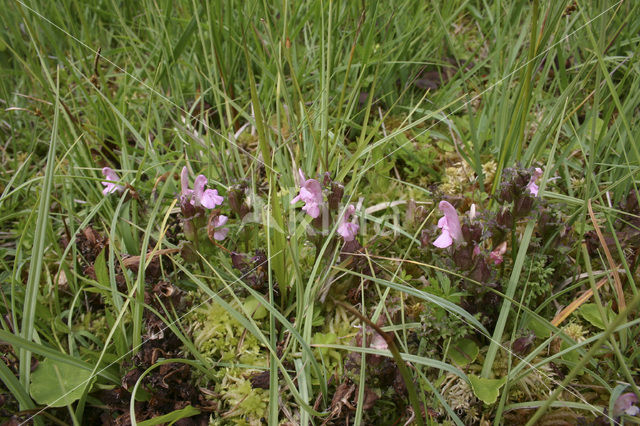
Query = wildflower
x=347 y=229
x=111 y=187
x=216 y=223
x=531 y=186
x=496 y=255
x=310 y=194
x=450 y=225
x=198 y=196
x=625 y=404
x=379 y=342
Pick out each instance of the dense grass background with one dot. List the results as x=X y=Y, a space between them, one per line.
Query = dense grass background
x=383 y=95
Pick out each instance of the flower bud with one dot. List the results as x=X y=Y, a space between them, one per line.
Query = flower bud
x=425 y=238
x=505 y=218
x=523 y=206
x=335 y=196
x=187 y=252
x=190 y=231
x=522 y=345
x=472 y=233
x=463 y=257
x=506 y=194
x=188 y=210
x=237 y=202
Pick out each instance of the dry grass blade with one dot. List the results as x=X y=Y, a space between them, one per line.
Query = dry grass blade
x=134 y=261
x=562 y=315
x=612 y=265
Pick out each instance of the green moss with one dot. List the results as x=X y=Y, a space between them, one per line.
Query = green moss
x=221 y=338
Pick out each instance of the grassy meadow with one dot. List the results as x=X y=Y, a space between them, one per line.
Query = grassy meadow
x=319 y=212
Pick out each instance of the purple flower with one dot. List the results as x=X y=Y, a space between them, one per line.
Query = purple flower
x=111 y=187
x=531 y=186
x=347 y=229
x=218 y=222
x=625 y=404
x=498 y=252
x=310 y=194
x=198 y=196
x=450 y=225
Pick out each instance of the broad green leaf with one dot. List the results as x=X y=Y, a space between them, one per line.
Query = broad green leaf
x=590 y=312
x=57 y=384
x=255 y=308
x=486 y=390
x=463 y=352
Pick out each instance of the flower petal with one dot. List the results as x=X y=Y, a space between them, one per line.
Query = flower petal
x=110 y=187
x=220 y=221
x=625 y=404
x=110 y=174
x=198 y=188
x=312 y=191
x=453 y=222
x=312 y=209
x=210 y=199
x=498 y=252
x=379 y=342
x=184 y=182
x=301 y=178
x=348 y=230
x=444 y=240
x=531 y=186
x=221 y=234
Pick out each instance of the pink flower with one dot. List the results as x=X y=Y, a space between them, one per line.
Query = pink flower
x=531 y=186
x=625 y=404
x=310 y=194
x=450 y=225
x=498 y=252
x=110 y=187
x=347 y=229
x=184 y=181
x=218 y=222
x=379 y=342
x=198 y=196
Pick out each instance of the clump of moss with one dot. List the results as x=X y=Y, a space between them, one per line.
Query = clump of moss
x=460 y=397
x=221 y=338
x=457 y=179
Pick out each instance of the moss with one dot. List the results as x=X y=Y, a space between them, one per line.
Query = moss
x=221 y=338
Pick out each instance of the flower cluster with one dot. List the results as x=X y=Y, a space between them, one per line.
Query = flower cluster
x=198 y=196
x=194 y=203
x=311 y=194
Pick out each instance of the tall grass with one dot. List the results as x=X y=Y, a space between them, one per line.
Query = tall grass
x=250 y=92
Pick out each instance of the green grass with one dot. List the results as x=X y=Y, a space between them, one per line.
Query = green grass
x=247 y=93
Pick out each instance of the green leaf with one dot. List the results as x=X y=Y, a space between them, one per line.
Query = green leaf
x=539 y=328
x=464 y=352
x=57 y=384
x=171 y=417
x=100 y=268
x=255 y=308
x=590 y=312
x=487 y=390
